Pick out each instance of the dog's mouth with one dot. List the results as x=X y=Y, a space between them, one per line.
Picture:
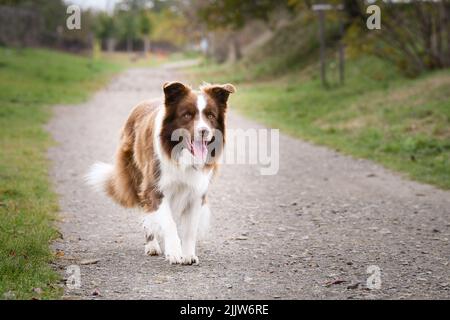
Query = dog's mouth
x=199 y=149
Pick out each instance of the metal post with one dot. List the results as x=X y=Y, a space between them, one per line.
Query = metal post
x=322 y=47
x=321 y=8
x=341 y=52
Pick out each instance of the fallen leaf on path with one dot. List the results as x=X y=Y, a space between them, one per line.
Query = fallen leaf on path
x=59 y=253
x=333 y=282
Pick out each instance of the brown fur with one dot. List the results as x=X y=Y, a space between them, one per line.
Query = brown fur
x=137 y=169
x=181 y=100
x=216 y=104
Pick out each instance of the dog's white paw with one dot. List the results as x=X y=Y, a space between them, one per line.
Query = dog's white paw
x=173 y=253
x=152 y=248
x=174 y=258
x=190 y=259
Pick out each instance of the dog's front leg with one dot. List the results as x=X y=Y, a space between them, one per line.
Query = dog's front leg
x=188 y=231
x=162 y=224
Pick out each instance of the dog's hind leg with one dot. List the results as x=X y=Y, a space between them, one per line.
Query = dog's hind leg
x=152 y=247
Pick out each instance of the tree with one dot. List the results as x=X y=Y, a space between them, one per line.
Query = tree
x=236 y=13
x=106 y=29
x=51 y=15
x=128 y=28
x=146 y=29
x=128 y=12
x=170 y=26
x=415 y=35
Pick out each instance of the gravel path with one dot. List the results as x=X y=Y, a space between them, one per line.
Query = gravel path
x=311 y=231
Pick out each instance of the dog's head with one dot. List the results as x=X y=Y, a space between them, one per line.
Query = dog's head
x=194 y=121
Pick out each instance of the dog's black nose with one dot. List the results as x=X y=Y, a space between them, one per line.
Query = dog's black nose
x=203 y=132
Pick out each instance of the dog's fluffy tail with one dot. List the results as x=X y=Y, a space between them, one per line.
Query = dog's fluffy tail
x=106 y=178
x=99 y=176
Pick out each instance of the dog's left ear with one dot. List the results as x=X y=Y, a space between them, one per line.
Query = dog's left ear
x=173 y=91
x=219 y=92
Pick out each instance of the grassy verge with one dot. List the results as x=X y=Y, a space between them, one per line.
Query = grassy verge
x=401 y=123
x=30 y=81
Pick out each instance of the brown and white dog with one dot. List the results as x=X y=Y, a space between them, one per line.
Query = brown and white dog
x=168 y=153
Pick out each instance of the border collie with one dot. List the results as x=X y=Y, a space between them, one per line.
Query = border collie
x=168 y=153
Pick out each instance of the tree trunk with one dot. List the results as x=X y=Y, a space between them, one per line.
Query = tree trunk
x=110 y=44
x=129 y=44
x=147 y=46
x=233 y=50
x=445 y=27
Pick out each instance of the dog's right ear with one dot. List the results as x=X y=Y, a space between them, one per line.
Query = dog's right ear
x=174 y=91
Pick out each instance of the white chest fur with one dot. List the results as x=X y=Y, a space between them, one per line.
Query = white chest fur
x=174 y=177
x=179 y=182
x=182 y=186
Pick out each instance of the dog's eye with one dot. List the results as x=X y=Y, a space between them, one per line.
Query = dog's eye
x=187 y=116
x=210 y=116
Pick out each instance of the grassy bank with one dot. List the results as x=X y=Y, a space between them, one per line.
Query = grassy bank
x=401 y=123
x=30 y=81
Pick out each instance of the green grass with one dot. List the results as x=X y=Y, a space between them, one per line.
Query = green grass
x=30 y=81
x=401 y=123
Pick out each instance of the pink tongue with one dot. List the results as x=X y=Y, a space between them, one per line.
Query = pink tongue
x=200 y=150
